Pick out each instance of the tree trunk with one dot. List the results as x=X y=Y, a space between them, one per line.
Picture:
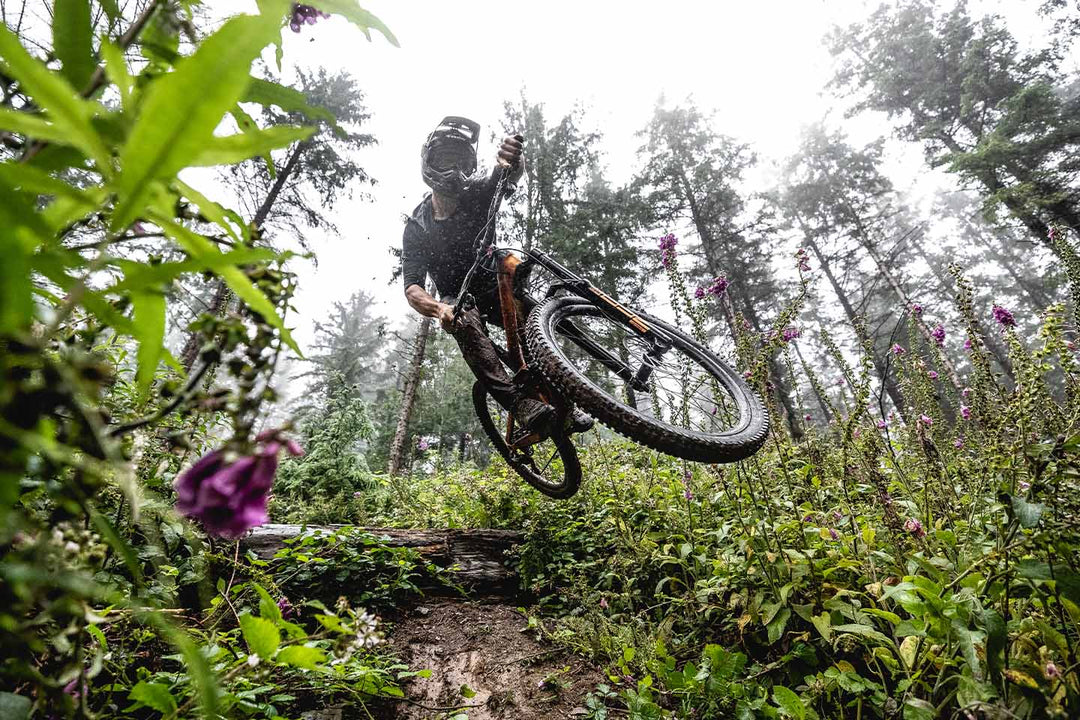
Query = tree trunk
x=222 y=296
x=776 y=370
x=950 y=368
x=888 y=381
x=412 y=382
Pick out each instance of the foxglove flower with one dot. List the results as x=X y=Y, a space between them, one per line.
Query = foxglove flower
x=719 y=286
x=938 y=333
x=1024 y=485
x=965 y=412
x=898 y=349
x=881 y=424
x=808 y=417
x=926 y=420
x=286 y=608
x=228 y=495
x=932 y=375
x=833 y=534
x=967 y=344
x=916 y=309
x=699 y=293
x=304 y=15
x=603 y=603
x=422 y=445
x=966 y=392
x=1004 y=317
x=958 y=443
x=914 y=527
x=790 y=333
x=803 y=260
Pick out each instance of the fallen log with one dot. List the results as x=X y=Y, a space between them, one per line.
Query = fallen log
x=475 y=559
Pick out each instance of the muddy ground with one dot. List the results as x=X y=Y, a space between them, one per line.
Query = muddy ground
x=483 y=648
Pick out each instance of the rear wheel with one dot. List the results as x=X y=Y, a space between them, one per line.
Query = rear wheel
x=693 y=405
x=551 y=466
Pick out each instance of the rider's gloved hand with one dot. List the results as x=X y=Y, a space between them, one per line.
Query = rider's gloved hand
x=512 y=155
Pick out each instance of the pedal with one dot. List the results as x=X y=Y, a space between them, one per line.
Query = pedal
x=526 y=441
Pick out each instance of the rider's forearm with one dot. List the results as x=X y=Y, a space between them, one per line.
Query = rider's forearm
x=421 y=301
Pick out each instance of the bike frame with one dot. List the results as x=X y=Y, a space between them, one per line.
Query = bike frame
x=510 y=269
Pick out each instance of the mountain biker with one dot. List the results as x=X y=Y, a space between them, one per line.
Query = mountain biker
x=439 y=241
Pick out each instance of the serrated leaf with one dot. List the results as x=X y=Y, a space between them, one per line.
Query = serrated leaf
x=262 y=636
x=69 y=113
x=232 y=149
x=180 y=110
x=149 y=326
x=268 y=609
x=789 y=703
x=72 y=44
x=302 y=656
x=153 y=695
x=359 y=17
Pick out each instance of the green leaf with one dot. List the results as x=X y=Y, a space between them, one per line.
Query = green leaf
x=69 y=113
x=155 y=696
x=863 y=631
x=467 y=692
x=72 y=40
x=267 y=92
x=268 y=609
x=31 y=179
x=357 y=16
x=302 y=656
x=149 y=312
x=201 y=249
x=916 y=709
x=997 y=639
x=247 y=124
x=778 y=624
x=232 y=149
x=14 y=707
x=116 y=70
x=31 y=125
x=181 y=109
x=17 y=243
x=262 y=636
x=212 y=210
x=789 y=702
x=105 y=527
x=823 y=623
x=1026 y=512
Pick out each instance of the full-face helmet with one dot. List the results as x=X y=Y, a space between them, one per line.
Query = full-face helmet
x=448 y=157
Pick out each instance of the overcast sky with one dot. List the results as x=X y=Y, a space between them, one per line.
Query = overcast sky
x=761 y=66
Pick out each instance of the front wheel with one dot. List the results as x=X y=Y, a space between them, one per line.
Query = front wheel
x=691 y=405
x=551 y=466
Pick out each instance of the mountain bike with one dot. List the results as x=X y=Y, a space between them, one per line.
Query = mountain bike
x=571 y=344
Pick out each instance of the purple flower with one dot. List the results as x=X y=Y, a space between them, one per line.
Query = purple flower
x=422 y=445
x=938 y=333
x=837 y=515
x=965 y=412
x=914 y=527
x=958 y=443
x=699 y=293
x=833 y=534
x=286 y=608
x=881 y=424
x=747 y=375
x=916 y=309
x=926 y=420
x=966 y=392
x=668 y=242
x=790 y=333
x=1052 y=671
x=808 y=517
x=808 y=417
x=358 y=494
x=1024 y=485
x=856 y=432
x=932 y=375
x=603 y=603
x=688 y=495
x=803 y=260
x=718 y=287
x=967 y=344
x=228 y=495
x=714 y=410
x=1004 y=317
x=304 y=14
x=898 y=349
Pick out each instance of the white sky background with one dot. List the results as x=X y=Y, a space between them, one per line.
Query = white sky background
x=761 y=66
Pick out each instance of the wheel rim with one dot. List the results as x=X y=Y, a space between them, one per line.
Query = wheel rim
x=687 y=390
x=541 y=464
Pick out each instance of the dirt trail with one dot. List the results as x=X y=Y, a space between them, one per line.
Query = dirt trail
x=483 y=646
